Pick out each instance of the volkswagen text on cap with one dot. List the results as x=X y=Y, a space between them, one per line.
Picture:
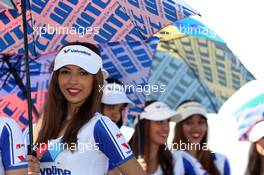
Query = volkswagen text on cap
x=190 y=108
x=115 y=94
x=256 y=132
x=79 y=56
x=158 y=111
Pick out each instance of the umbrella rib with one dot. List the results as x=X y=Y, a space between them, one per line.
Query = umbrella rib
x=4 y=81
x=19 y=81
x=137 y=28
x=196 y=76
x=14 y=4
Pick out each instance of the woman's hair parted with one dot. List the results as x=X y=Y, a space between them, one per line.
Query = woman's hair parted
x=55 y=111
x=254 y=166
x=141 y=145
x=205 y=157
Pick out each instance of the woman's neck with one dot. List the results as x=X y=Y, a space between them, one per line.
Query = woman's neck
x=71 y=110
x=66 y=122
x=192 y=152
x=153 y=162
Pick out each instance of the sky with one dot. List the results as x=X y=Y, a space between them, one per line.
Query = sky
x=239 y=24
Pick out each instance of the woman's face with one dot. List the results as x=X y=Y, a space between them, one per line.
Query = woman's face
x=260 y=146
x=195 y=128
x=159 y=131
x=114 y=112
x=75 y=84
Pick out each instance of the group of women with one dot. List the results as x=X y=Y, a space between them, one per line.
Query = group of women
x=78 y=113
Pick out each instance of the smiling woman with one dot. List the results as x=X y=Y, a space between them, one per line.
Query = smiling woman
x=149 y=143
x=192 y=130
x=75 y=85
x=71 y=119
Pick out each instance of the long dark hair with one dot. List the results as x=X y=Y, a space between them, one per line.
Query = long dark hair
x=55 y=111
x=205 y=157
x=254 y=166
x=165 y=159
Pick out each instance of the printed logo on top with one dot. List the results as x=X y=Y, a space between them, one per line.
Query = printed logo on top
x=20 y=148
x=119 y=135
x=123 y=145
x=77 y=51
x=54 y=170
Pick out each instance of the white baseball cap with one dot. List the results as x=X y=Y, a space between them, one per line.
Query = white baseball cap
x=190 y=108
x=158 y=111
x=256 y=132
x=79 y=56
x=115 y=94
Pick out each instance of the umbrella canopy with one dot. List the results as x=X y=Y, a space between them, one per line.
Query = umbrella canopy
x=193 y=62
x=129 y=62
x=51 y=24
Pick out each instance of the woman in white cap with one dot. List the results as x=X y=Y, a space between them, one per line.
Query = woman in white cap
x=115 y=101
x=149 y=141
x=191 y=131
x=256 y=153
x=74 y=138
x=12 y=148
x=113 y=105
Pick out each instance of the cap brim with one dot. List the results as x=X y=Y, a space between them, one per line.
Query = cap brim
x=91 y=67
x=116 y=98
x=160 y=115
x=184 y=114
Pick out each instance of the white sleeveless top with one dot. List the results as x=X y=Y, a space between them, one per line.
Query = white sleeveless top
x=184 y=164
x=101 y=147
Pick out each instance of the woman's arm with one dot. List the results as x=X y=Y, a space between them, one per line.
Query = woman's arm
x=114 y=172
x=131 y=167
x=17 y=172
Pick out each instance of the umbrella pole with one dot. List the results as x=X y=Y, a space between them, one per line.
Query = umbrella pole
x=30 y=146
x=139 y=144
